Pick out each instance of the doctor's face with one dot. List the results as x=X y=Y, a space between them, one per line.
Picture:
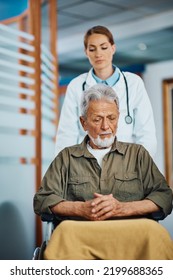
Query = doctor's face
x=100 y=51
x=101 y=123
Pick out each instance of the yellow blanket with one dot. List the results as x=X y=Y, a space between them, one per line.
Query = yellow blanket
x=130 y=239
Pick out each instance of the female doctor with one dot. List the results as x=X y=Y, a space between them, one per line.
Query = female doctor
x=136 y=122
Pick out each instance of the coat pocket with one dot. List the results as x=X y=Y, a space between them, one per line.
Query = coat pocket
x=128 y=187
x=80 y=188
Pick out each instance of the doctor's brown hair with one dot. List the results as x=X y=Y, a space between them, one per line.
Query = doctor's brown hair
x=98 y=30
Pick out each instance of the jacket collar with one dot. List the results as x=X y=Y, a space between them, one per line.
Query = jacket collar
x=82 y=151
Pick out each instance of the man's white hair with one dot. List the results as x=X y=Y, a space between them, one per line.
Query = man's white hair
x=97 y=92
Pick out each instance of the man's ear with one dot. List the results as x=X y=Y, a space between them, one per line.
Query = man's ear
x=83 y=123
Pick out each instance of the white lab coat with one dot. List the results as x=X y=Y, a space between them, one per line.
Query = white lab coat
x=141 y=130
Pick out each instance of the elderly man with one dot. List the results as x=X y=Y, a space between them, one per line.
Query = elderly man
x=102 y=178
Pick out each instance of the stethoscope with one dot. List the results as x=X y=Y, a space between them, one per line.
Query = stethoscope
x=128 y=118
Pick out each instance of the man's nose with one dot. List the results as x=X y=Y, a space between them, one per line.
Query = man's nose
x=105 y=124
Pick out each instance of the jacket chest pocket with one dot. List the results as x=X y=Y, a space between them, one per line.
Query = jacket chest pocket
x=128 y=187
x=80 y=188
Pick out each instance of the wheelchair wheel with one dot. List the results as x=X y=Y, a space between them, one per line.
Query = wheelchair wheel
x=36 y=254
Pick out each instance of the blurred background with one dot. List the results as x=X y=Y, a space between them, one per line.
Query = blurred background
x=41 y=50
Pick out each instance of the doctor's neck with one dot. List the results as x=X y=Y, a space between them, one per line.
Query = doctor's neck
x=104 y=73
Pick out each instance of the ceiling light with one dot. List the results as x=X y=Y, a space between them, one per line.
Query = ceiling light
x=142 y=46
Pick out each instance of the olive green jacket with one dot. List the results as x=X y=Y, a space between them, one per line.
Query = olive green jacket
x=128 y=172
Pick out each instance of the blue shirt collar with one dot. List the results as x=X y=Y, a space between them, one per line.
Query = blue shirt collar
x=111 y=81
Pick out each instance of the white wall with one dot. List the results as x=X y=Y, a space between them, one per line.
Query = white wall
x=154 y=75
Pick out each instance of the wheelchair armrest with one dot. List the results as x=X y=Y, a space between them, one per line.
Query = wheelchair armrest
x=157 y=216
x=49 y=229
x=50 y=224
x=52 y=221
x=45 y=217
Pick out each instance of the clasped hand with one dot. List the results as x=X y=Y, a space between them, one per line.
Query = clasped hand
x=102 y=207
